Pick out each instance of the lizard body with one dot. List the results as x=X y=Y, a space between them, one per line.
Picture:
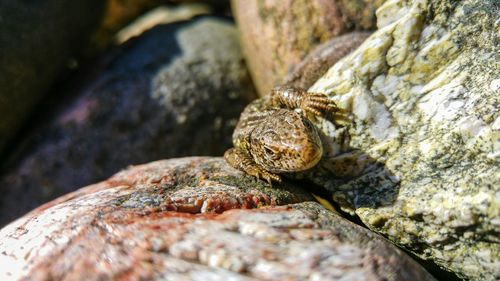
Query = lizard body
x=272 y=138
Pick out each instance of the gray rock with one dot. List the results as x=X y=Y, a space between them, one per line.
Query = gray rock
x=37 y=38
x=194 y=219
x=417 y=158
x=177 y=90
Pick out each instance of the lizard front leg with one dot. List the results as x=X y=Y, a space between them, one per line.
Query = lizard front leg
x=240 y=160
x=314 y=103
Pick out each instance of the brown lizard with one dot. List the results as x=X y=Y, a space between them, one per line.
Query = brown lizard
x=272 y=138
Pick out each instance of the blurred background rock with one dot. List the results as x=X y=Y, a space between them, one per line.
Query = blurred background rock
x=38 y=40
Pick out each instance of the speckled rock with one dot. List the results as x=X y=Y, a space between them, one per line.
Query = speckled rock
x=177 y=90
x=276 y=35
x=37 y=39
x=417 y=157
x=194 y=219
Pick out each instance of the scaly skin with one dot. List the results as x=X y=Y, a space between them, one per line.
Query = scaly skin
x=272 y=138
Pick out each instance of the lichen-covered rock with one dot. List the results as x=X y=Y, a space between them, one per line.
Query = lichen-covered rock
x=418 y=158
x=276 y=35
x=37 y=39
x=177 y=90
x=194 y=219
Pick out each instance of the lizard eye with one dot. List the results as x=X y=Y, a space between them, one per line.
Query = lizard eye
x=268 y=150
x=272 y=153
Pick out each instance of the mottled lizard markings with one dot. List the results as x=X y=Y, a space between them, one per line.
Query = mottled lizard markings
x=272 y=138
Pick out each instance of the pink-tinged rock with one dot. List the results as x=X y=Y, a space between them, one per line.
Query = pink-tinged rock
x=277 y=34
x=194 y=219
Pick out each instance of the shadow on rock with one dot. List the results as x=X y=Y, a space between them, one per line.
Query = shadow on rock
x=352 y=178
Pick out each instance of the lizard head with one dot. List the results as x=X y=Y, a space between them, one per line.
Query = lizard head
x=286 y=142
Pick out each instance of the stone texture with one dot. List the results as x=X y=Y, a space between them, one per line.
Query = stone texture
x=417 y=155
x=177 y=90
x=276 y=35
x=37 y=39
x=317 y=63
x=194 y=219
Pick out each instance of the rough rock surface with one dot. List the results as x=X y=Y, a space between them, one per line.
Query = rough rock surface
x=177 y=90
x=37 y=38
x=194 y=219
x=278 y=34
x=317 y=63
x=417 y=158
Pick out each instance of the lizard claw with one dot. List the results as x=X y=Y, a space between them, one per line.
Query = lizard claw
x=243 y=162
x=269 y=177
x=263 y=174
x=318 y=104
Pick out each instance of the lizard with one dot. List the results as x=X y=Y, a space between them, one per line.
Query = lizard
x=275 y=134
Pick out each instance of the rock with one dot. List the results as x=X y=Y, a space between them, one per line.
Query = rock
x=160 y=15
x=118 y=14
x=194 y=219
x=418 y=157
x=37 y=39
x=117 y=26
x=314 y=65
x=177 y=90
x=276 y=35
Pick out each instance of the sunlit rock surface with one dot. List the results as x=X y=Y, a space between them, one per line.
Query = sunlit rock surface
x=194 y=219
x=417 y=158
